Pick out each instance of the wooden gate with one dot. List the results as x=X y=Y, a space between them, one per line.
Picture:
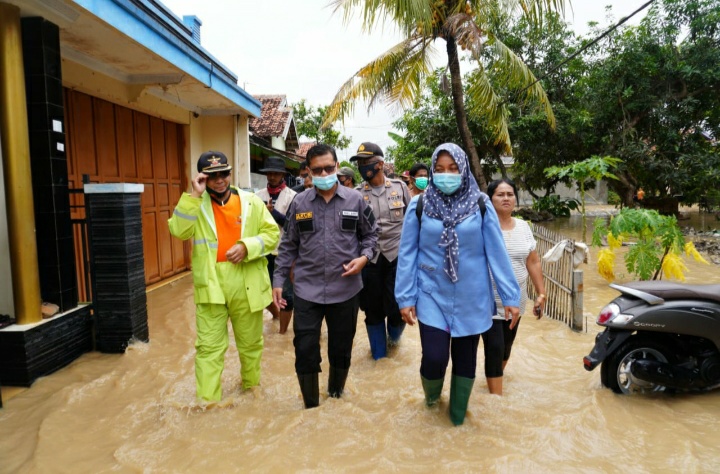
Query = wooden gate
x=563 y=283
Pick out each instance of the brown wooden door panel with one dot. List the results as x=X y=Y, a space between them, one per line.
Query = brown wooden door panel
x=150 y=247
x=163 y=195
x=157 y=141
x=105 y=140
x=172 y=132
x=165 y=244
x=125 y=143
x=82 y=136
x=148 y=197
x=142 y=145
x=112 y=143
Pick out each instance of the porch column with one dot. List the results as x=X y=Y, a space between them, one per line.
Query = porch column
x=16 y=167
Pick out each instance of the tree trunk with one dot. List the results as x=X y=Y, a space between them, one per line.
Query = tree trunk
x=460 y=115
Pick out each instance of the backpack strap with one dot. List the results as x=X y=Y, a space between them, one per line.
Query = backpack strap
x=419 y=208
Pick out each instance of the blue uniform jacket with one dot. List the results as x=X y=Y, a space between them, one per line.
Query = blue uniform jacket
x=466 y=307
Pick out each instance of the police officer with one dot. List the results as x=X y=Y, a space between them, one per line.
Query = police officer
x=388 y=199
x=277 y=197
x=330 y=234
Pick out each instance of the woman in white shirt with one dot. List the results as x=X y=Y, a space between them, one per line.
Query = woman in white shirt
x=520 y=244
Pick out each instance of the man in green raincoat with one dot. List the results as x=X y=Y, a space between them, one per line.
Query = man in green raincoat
x=232 y=231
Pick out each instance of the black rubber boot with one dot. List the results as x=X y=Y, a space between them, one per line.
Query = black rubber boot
x=336 y=381
x=310 y=389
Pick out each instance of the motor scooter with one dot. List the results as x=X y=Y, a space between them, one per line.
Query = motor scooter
x=659 y=336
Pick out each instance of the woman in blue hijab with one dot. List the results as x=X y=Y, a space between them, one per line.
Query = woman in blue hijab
x=443 y=280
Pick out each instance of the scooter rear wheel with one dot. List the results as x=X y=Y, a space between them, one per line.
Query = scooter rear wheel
x=615 y=369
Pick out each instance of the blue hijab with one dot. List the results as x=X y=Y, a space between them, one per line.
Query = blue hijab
x=453 y=209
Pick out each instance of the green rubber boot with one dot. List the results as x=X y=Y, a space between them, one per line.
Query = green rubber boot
x=460 y=390
x=433 y=389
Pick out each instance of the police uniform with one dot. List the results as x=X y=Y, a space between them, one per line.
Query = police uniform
x=320 y=237
x=388 y=203
x=388 y=199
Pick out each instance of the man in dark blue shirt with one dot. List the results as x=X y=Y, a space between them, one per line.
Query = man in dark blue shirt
x=330 y=235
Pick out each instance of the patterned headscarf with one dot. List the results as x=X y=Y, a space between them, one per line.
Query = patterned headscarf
x=453 y=209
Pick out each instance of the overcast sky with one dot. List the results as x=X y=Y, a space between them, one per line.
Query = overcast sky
x=301 y=49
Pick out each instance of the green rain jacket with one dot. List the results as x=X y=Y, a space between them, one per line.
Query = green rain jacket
x=193 y=217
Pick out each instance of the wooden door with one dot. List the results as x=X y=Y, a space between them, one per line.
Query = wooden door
x=113 y=144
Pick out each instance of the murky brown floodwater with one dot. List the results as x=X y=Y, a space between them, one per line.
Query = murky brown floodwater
x=131 y=413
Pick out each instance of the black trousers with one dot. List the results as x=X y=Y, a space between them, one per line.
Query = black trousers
x=341 y=320
x=498 y=342
x=438 y=347
x=378 y=293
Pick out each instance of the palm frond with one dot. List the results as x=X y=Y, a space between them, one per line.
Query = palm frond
x=535 y=10
x=408 y=15
x=395 y=75
x=511 y=70
x=517 y=75
x=484 y=102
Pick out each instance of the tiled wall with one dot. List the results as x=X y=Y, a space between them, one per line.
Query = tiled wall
x=43 y=82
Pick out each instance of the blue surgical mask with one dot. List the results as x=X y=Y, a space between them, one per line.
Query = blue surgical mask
x=324 y=183
x=421 y=183
x=447 y=183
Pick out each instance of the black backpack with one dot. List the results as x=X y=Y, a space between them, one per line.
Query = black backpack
x=419 y=208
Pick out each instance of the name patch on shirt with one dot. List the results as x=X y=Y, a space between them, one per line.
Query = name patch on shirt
x=303 y=216
x=350 y=214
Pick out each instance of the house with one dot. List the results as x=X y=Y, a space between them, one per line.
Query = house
x=273 y=133
x=105 y=91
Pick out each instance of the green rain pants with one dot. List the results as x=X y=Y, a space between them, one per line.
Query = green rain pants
x=212 y=335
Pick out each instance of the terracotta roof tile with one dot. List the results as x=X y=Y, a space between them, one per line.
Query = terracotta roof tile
x=304 y=147
x=274 y=116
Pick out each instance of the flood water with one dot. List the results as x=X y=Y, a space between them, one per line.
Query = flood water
x=136 y=412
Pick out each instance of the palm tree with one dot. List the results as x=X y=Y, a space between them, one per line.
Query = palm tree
x=398 y=74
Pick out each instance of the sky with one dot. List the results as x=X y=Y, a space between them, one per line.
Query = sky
x=304 y=50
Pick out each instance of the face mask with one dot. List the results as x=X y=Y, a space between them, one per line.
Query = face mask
x=368 y=172
x=447 y=183
x=421 y=183
x=324 y=183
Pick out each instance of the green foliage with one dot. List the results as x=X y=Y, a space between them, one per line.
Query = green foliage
x=555 y=205
x=582 y=172
x=613 y=198
x=397 y=76
x=593 y=168
x=653 y=235
x=652 y=93
x=308 y=121
x=430 y=123
x=537 y=146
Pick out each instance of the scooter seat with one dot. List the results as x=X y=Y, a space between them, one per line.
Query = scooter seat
x=676 y=291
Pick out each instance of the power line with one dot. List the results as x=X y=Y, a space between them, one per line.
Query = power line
x=576 y=53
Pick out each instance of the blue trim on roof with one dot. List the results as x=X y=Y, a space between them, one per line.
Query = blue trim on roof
x=152 y=25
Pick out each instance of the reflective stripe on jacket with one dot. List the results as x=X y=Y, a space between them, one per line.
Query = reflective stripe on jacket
x=193 y=218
